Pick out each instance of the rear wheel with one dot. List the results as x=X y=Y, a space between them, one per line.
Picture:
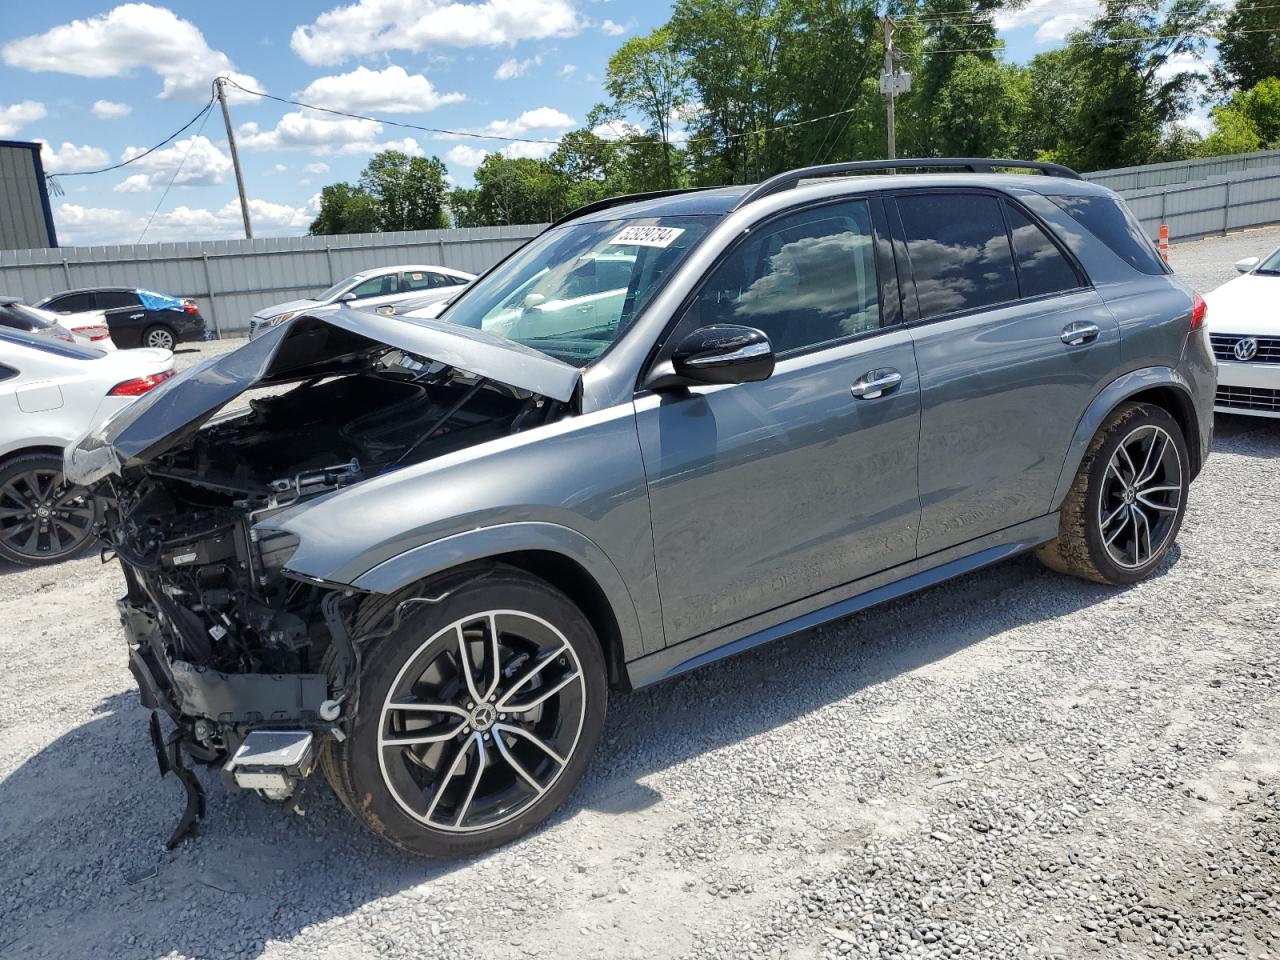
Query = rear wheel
x=159 y=337
x=42 y=519
x=1125 y=506
x=477 y=716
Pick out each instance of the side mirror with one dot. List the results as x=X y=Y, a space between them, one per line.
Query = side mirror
x=347 y=297
x=717 y=354
x=1247 y=264
x=533 y=301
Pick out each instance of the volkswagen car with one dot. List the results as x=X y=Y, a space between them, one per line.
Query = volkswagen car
x=1245 y=332
x=422 y=554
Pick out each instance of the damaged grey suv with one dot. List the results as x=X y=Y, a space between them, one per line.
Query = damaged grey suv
x=418 y=555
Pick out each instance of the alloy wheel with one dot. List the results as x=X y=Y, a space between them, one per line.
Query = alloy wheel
x=160 y=338
x=1141 y=496
x=41 y=518
x=481 y=721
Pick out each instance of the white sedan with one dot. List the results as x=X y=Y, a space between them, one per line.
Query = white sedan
x=51 y=394
x=369 y=290
x=1244 y=327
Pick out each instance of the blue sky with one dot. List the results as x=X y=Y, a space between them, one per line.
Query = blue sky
x=98 y=81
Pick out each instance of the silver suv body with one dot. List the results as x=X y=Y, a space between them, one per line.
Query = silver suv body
x=663 y=432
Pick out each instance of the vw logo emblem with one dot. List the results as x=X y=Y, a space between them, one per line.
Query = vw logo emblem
x=1246 y=348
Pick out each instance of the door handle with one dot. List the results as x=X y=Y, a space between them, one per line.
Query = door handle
x=1078 y=332
x=876 y=383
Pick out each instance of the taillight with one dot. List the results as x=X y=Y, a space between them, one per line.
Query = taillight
x=189 y=306
x=139 y=385
x=93 y=333
x=1198 y=311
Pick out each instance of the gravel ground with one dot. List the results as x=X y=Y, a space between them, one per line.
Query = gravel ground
x=1014 y=764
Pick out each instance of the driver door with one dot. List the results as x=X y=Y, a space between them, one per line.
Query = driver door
x=765 y=493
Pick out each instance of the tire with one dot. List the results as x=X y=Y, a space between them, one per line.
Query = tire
x=159 y=337
x=1112 y=529
x=41 y=520
x=463 y=792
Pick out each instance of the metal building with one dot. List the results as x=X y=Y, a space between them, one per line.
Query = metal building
x=26 y=220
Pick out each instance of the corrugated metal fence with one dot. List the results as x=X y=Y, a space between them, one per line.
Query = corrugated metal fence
x=233 y=278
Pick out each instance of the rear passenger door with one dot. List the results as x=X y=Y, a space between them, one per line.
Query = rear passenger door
x=1011 y=344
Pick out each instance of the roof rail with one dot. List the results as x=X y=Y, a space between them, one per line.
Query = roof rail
x=790 y=179
x=619 y=200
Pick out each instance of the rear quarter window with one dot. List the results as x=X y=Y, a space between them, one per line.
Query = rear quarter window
x=1111 y=222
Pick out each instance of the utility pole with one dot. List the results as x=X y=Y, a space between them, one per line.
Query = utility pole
x=889 y=27
x=235 y=157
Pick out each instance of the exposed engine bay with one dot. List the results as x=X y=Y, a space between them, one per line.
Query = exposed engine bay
x=254 y=666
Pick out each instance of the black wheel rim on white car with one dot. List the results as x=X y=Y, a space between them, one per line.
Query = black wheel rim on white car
x=1141 y=496
x=160 y=338
x=41 y=518
x=481 y=721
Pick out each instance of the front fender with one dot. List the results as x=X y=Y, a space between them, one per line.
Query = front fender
x=1116 y=392
x=485 y=542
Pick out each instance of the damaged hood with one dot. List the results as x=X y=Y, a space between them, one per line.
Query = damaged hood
x=323 y=342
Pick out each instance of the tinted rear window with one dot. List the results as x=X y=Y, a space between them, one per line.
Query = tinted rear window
x=114 y=299
x=1042 y=269
x=959 y=250
x=1110 y=221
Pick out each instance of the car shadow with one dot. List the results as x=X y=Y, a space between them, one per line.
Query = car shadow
x=88 y=809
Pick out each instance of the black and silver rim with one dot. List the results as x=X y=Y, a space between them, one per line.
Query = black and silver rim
x=481 y=721
x=1141 y=496
x=160 y=338
x=41 y=518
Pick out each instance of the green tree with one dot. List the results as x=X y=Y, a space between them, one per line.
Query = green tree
x=516 y=190
x=344 y=209
x=982 y=109
x=647 y=74
x=410 y=192
x=1249 y=50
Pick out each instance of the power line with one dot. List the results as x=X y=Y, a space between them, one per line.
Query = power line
x=134 y=159
x=172 y=180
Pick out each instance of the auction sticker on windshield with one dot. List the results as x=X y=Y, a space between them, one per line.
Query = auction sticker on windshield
x=647 y=236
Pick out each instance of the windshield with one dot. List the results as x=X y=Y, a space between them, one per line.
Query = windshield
x=338 y=287
x=573 y=291
x=1271 y=264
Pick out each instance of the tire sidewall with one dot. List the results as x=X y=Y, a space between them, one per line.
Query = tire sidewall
x=1119 y=429
x=173 y=337
x=381 y=663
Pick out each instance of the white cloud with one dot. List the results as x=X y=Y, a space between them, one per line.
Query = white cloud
x=316 y=168
x=1186 y=63
x=464 y=156
x=510 y=69
x=297 y=130
x=100 y=225
x=277 y=168
x=529 y=151
x=1053 y=19
x=568 y=70
x=373 y=26
x=17 y=115
x=612 y=28
x=204 y=165
x=69 y=157
x=392 y=90
x=539 y=119
x=137 y=183
x=110 y=110
x=129 y=37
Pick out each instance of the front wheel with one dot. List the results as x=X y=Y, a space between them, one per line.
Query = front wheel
x=42 y=519
x=1125 y=506
x=477 y=715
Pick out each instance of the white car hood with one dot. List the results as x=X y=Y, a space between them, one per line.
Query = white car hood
x=1245 y=305
x=266 y=313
